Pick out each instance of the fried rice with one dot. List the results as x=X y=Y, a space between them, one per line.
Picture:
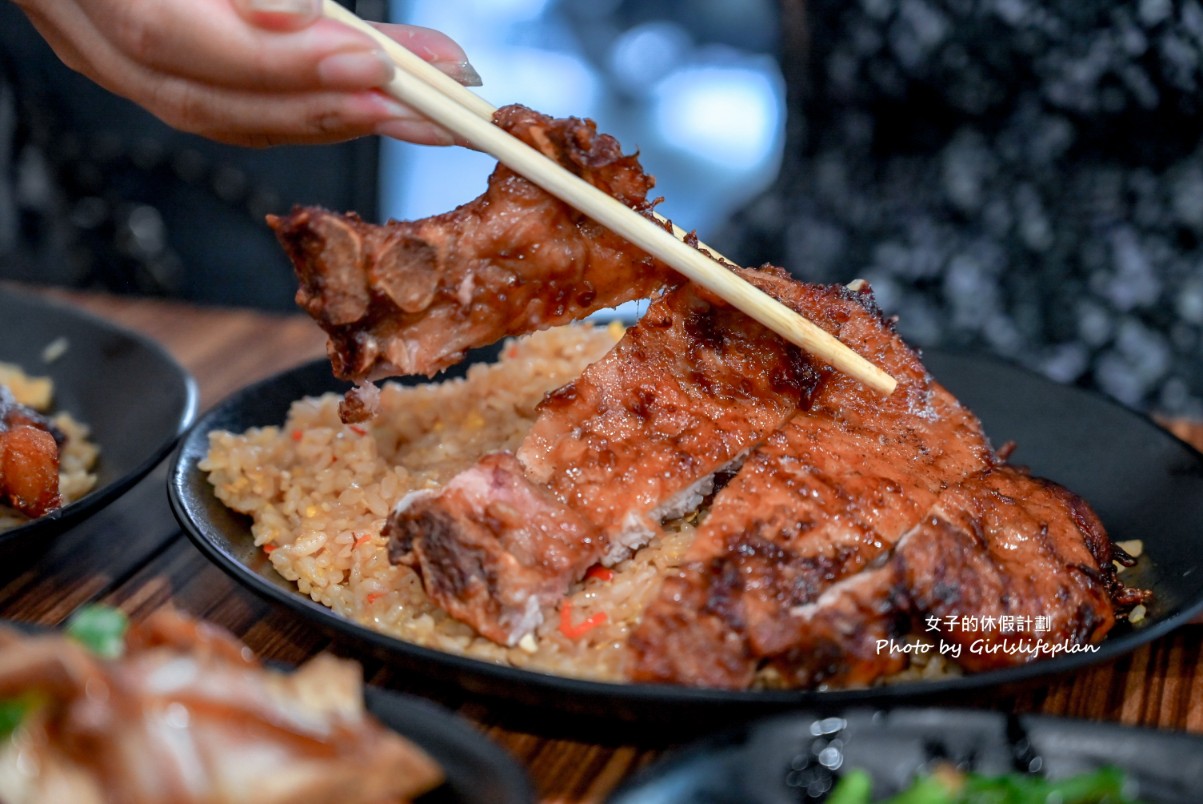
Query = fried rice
x=318 y=493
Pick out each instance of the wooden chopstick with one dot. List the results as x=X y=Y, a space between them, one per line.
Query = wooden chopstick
x=419 y=68
x=443 y=100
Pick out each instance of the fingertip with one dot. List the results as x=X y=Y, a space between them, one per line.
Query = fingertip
x=435 y=47
x=463 y=72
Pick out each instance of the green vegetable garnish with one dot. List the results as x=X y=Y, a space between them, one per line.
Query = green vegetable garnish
x=100 y=629
x=934 y=789
x=12 y=713
x=854 y=787
x=1104 y=786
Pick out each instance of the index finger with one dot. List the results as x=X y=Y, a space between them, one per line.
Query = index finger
x=210 y=42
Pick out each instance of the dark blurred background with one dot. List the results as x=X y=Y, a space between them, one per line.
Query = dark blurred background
x=1015 y=176
x=97 y=193
x=1018 y=177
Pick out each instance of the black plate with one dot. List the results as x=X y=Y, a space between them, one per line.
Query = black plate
x=781 y=760
x=129 y=391
x=477 y=770
x=1143 y=482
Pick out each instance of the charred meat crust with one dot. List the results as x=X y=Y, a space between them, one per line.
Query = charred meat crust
x=822 y=498
x=636 y=439
x=491 y=547
x=858 y=519
x=997 y=544
x=411 y=297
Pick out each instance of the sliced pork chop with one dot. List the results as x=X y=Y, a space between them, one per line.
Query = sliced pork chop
x=411 y=297
x=824 y=497
x=638 y=437
x=1004 y=569
x=635 y=440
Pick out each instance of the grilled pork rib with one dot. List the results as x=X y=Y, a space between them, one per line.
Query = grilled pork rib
x=825 y=496
x=412 y=297
x=493 y=548
x=859 y=519
x=1002 y=568
x=635 y=440
x=829 y=537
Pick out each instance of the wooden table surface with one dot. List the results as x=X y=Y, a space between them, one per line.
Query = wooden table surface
x=133 y=555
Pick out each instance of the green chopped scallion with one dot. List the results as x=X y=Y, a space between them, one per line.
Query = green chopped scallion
x=854 y=787
x=101 y=629
x=12 y=714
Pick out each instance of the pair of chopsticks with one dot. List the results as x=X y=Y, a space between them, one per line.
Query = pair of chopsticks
x=443 y=100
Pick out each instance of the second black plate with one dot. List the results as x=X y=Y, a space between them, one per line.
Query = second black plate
x=1144 y=483
x=477 y=771
x=798 y=757
x=133 y=396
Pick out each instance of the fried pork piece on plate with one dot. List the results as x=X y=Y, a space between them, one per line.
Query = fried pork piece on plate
x=823 y=497
x=29 y=458
x=636 y=440
x=411 y=297
x=188 y=715
x=492 y=547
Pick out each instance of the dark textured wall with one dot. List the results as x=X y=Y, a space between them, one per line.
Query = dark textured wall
x=1021 y=177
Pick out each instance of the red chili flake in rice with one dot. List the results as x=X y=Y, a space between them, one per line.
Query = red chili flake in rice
x=600 y=573
x=583 y=627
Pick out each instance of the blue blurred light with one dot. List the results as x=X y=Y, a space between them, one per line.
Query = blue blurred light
x=707 y=120
x=731 y=116
x=420 y=181
x=641 y=55
x=559 y=84
x=481 y=14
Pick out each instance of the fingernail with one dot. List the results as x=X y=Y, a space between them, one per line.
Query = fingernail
x=297 y=7
x=461 y=71
x=355 y=70
x=280 y=15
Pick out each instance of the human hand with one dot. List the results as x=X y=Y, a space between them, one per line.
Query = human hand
x=247 y=72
